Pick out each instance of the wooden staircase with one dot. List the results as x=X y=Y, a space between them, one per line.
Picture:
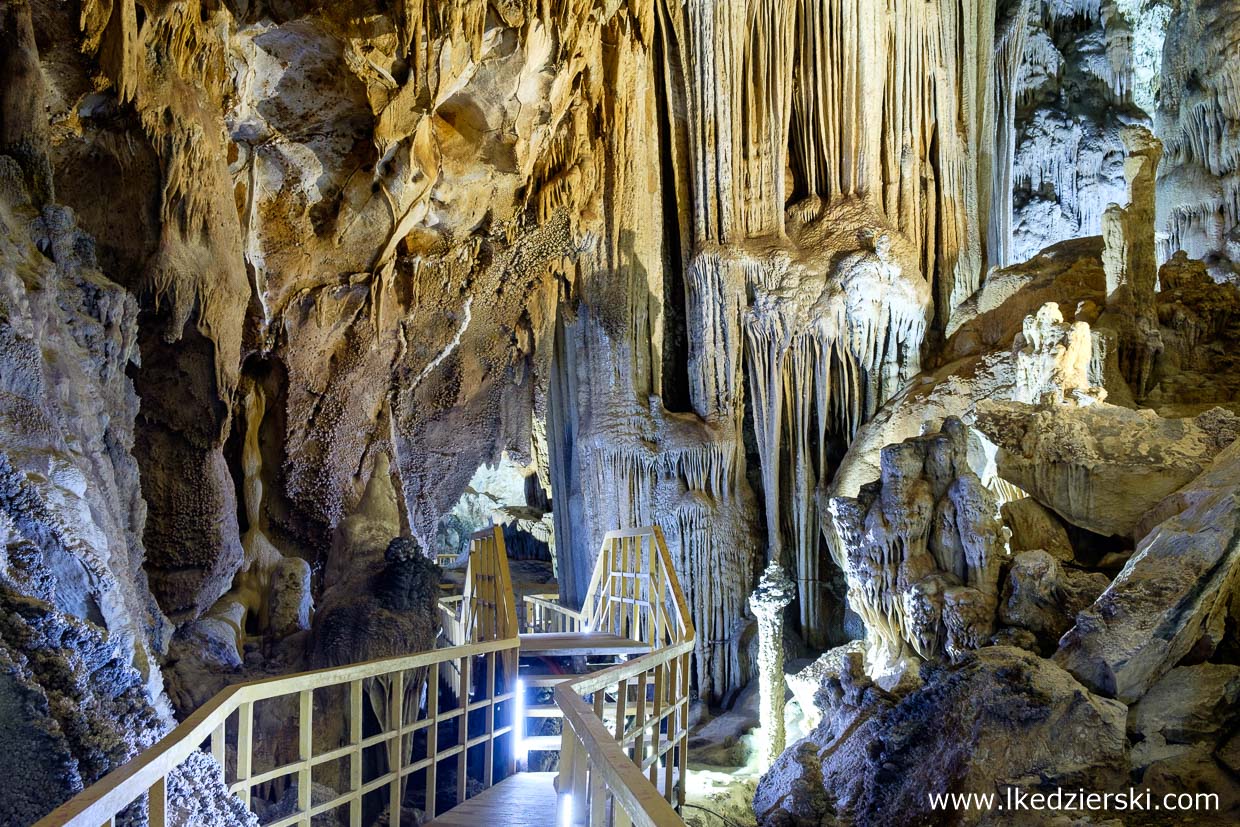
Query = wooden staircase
x=623 y=617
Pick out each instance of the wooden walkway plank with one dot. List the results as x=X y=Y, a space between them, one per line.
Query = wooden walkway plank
x=527 y=799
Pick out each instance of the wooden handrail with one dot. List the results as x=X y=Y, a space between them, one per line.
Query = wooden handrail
x=544 y=613
x=148 y=771
x=641 y=801
x=606 y=777
x=611 y=778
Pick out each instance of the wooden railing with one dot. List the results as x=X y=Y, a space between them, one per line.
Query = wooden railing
x=634 y=591
x=486 y=610
x=634 y=772
x=624 y=745
x=543 y=613
x=393 y=689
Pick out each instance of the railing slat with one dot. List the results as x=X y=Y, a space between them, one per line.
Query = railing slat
x=432 y=738
x=396 y=746
x=245 y=750
x=355 y=754
x=305 y=752
x=158 y=803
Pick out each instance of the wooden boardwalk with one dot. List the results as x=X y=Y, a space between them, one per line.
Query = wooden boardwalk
x=527 y=799
x=580 y=643
x=624 y=728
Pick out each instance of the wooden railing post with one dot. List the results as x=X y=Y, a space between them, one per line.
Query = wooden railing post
x=218 y=749
x=305 y=753
x=355 y=754
x=488 y=752
x=245 y=747
x=396 y=751
x=432 y=738
x=579 y=800
x=158 y=803
x=463 y=730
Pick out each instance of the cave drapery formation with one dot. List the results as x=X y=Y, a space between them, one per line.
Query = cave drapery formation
x=282 y=281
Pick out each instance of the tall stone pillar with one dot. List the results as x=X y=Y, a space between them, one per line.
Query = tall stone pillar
x=774 y=592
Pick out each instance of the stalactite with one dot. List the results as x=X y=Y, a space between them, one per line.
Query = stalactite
x=1010 y=37
x=824 y=351
x=1198 y=120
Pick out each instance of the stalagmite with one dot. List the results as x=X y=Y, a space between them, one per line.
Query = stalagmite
x=1053 y=359
x=1128 y=258
x=775 y=591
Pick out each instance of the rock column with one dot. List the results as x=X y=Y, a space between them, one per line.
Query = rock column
x=774 y=592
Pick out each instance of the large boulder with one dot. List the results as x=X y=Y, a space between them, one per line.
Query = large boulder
x=1189 y=704
x=1101 y=467
x=1003 y=717
x=1177 y=595
x=1042 y=596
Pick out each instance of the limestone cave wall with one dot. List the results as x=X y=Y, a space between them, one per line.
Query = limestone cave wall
x=297 y=294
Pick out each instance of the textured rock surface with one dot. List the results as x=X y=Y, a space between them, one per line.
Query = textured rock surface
x=1041 y=596
x=79 y=628
x=1002 y=717
x=1188 y=704
x=1173 y=598
x=825 y=672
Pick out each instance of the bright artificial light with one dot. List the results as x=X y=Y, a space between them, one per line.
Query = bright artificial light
x=521 y=751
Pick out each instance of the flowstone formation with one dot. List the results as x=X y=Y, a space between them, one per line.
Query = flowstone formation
x=771 y=173
x=1197 y=119
x=824 y=352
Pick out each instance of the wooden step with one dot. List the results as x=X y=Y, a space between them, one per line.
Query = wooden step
x=543 y=711
x=576 y=644
x=541 y=743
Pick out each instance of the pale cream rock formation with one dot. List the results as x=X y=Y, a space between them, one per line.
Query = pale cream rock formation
x=825 y=350
x=807 y=684
x=1053 y=360
x=1101 y=467
x=1034 y=528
